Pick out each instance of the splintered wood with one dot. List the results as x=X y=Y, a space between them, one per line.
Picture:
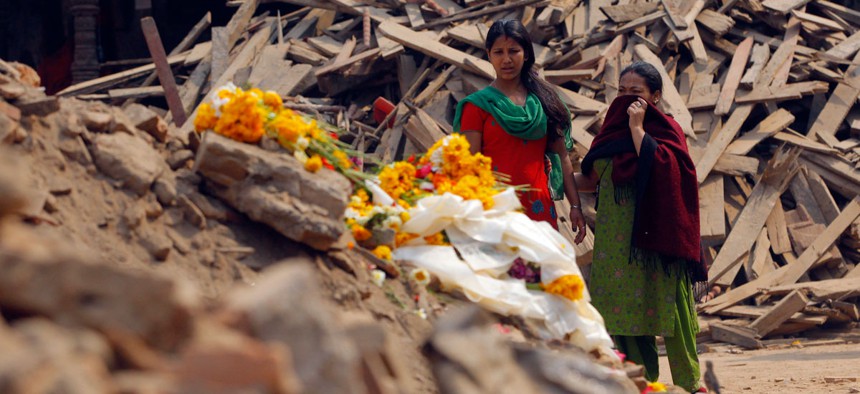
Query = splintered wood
x=766 y=92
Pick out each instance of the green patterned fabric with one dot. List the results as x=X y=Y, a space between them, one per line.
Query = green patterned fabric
x=639 y=301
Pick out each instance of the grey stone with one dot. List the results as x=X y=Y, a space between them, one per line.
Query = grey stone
x=274 y=188
x=74 y=149
x=285 y=306
x=42 y=276
x=179 y=158
x=97 y=122
x=147 y=120
x=127 y=159
x=155 y=242
x=165 y=189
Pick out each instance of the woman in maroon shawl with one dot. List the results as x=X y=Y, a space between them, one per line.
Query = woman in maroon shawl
x=646 y=247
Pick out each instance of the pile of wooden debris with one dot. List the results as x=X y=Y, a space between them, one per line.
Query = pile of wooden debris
x=766 y=91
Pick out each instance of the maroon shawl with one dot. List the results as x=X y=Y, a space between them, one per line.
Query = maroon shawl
x=662 y=176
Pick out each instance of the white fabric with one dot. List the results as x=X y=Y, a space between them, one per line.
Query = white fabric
x=489 y=242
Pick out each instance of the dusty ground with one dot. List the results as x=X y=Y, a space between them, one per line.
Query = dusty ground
x=815 y=369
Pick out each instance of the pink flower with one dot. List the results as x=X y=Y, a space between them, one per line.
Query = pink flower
x=424 y=171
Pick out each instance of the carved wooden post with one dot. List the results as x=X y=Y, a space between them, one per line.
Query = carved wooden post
x=85 y=65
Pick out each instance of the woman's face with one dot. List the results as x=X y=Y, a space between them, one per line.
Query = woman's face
x=633 y=84
x=507 y=57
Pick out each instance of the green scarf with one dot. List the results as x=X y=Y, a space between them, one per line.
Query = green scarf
x=527 y=122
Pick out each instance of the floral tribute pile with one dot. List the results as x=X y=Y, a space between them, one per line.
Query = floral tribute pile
x=249 y=115
x=445 y=213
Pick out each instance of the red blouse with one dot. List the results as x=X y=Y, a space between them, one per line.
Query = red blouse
x=523 y=160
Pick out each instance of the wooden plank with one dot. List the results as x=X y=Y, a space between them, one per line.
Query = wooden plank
x=755 y=311
x=674 y=13
x=760 y=56
x=802 y=141
x=792 y=303
x=761 y=261
x=165 y=74
x=106 y=81
x=581 y=104
x=389 y=48
x=185 y=44
x=413 y=11
x=623 y=13
x=783 y=6
x=803 y=197
x=823 y=289
x=730 y=164
x=672 y=102
x=437 y=50
x=778 y=173
x=733 y=77
x=771 y=125
x=716 y=22
x=792 y=91
x=640 y=22
x=138 y=92
x=337 y=65
x=777 y=230
x=220 y=53
x=721 y=141
x=740 y=336
x=422 y=130
x=239 y=21
x=848 y=14
x=305 y=27
x=838 y=105
x=478 y=13
x=789 y=274
x=326 y=44
x=817 y=20
x=822 y=195
x=711 y=210
x=840 y=175
x=846 y=48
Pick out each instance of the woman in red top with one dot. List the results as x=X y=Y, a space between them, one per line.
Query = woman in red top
x=520 y=122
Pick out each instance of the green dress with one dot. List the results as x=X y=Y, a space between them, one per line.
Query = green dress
x=634 y=298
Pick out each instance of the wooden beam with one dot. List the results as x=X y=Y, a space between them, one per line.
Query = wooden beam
x=478 y=13
x=777 y=230
x=771 y=125
x=437 y=50
x=837 y=107
x=165 y=74
x=721 y=141
x=733 y=77
x=789 y=274
x=792 y=91
x=623 y=13
x=817 y=20
x=792 y=303
x=778 y=173
x=337 y=65
x=784 y=6
x=740 y=336
x=754 y=312
x=736 y=165
x=822 y=290
x=712 y=213
x=760 y=260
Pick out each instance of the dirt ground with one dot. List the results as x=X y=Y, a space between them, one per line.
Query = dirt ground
x=815 y=369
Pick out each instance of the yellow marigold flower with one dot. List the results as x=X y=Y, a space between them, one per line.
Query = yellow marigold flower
x=402 y=238
x=568 y=286
x=656 y=387
x=342 y=159
x=205 y=119
x=397 y=179
x=314 y=163
x=273 y=100
x=360 y=233
x=420 y=276
x=383 y=252
x=436 y=239
x=404 y=216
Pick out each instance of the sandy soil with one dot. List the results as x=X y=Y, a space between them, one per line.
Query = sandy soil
x=816 y=369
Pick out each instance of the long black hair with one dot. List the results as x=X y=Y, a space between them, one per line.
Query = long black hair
x=649 y=73
x=558 y=118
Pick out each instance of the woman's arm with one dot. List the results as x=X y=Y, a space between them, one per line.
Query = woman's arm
x=474 y=138
x=637 y=119
x=577 y=221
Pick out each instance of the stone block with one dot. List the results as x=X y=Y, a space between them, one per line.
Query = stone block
x=128 y=159
x=43 y=277
x=285 y=306
x=274 y=188
x=97 y=122
x=147 y=120
x=42 y=106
